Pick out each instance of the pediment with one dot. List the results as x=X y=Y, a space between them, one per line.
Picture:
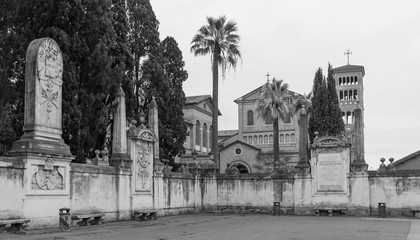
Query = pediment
x=328 y=141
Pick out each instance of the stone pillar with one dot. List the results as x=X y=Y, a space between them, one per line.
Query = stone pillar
x=119 y=157
x=359 y=164
x=43 y=101
x=303 y=164
x=41 y=149
x=154 y=127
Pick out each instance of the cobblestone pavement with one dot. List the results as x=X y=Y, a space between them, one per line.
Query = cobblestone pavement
x=244 y=227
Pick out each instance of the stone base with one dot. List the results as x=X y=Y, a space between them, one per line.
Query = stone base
x=120 y=160
x=36 y=146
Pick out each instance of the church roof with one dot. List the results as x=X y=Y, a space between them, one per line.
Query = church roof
x=406 y=158
x=242 y=143
x=292 y=93
x=350 y=68
x=191 y=101
x=196 y=99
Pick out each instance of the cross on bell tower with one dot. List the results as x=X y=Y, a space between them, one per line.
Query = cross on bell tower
x=348 y=53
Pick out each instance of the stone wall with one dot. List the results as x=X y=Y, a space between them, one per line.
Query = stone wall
x=106 y=189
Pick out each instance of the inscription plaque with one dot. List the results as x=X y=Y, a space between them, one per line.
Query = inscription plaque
x=331 y=175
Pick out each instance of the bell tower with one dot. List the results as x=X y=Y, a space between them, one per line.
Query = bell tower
x=349 y=85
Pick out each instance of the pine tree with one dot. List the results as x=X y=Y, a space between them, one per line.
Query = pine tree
x=335 y=124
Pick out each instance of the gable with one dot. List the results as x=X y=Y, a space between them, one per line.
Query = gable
x=255 y=94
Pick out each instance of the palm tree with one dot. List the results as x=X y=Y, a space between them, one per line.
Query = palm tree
x=219 y=39
x=271 y=105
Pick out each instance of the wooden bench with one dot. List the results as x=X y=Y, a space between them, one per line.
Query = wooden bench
x=16 y=225
x=88 y=219
x=416 y=212
x=146 y=214
x=330 y=211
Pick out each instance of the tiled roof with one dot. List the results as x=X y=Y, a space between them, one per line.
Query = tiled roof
x=196 y=99
x=404 y=159
x=350 y=68
x=224 y=133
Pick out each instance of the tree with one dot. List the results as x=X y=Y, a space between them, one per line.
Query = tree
x=272 y=105
x=335 y=124
x=325 y=116
x=173 y=65
x=218 y=38
x=319 y=114
x=144 y=42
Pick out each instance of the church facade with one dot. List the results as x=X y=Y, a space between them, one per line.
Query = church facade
x=250 y=147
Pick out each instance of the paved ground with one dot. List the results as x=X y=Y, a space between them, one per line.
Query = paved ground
x=243 y=227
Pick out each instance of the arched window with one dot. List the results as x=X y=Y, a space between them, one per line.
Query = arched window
x=241 y=168
x=250 y=140
x=255 y=140
x=271 y=138
x=350 y=95
x=341 y=95
x=265 y=139
x=281 y=138
x=245 y=139
x=198 y=135
x=348 y=80
x=339 y=81
x=250 y=118
x=211 y=132
x=351 y=80
x=287 y=138
x=260 y=139
x=269 y=120
x=355 y=80
x=346 y=95
x=205 y=136
x=344 y=117
x=349 y=118
x=292 y=138
x=355 y=94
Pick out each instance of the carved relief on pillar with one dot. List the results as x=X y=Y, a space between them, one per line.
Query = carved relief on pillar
x=47 y=176
x=143 y=166
x=49 y=73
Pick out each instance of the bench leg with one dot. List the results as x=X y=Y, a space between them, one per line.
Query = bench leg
x=16 y=228
x=142 y=216
x=95 y=221
x=83 y=222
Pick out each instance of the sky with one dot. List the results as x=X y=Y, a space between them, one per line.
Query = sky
x=290 y=40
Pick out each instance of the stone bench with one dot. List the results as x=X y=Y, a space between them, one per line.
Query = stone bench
x=331 y=211
x=88 y=219
x=146 y=214
x=16 y=225
x=416 y=212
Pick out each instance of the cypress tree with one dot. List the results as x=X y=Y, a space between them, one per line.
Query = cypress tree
x=335 y=124
x=317 y=120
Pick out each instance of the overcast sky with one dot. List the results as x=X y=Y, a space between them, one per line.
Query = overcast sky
x=291 y=39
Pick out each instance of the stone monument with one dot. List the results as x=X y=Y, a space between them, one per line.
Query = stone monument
x=330 y=166
x=41 y=148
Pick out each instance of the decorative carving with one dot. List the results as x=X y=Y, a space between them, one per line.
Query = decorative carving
x=48 y=176
x=328 y=142
x=146 y=135
x=49 y=71
x=143 y=165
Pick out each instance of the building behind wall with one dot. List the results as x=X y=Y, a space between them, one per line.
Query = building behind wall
x=250 y=147
x=349 y=85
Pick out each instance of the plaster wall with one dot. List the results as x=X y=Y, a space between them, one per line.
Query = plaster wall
x=252 y=194
x=12 y=190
